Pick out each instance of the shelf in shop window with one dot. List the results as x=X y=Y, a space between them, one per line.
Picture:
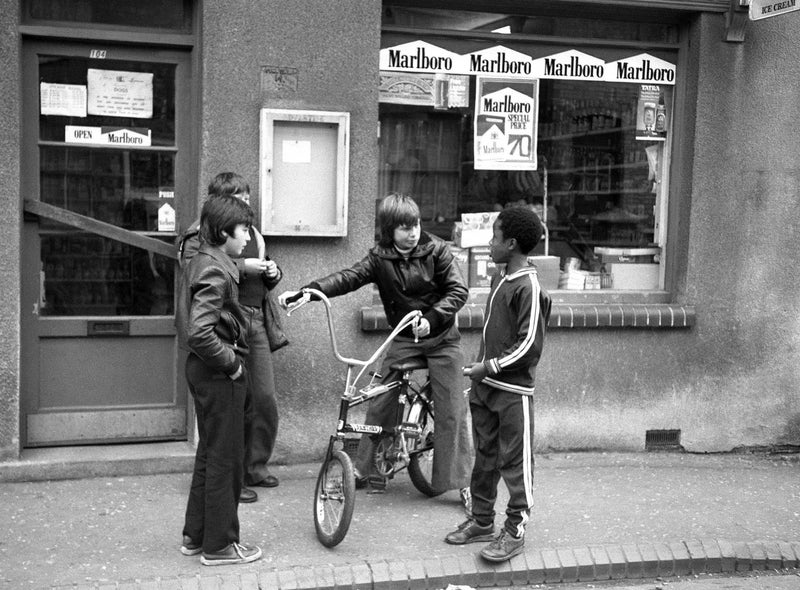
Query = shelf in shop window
x=624 y=191
x=602 y=168
x=589 y=133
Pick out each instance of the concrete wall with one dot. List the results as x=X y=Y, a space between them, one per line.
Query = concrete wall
x=10 y=237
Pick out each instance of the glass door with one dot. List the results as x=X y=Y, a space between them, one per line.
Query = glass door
x=106 y=169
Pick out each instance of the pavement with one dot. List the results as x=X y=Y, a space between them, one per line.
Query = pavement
x=598 y=516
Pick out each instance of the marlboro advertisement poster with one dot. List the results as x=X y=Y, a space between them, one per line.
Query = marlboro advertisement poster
x=506 y=114
x=651 y=114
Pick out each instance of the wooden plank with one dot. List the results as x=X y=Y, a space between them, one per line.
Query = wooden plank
x=100 y=228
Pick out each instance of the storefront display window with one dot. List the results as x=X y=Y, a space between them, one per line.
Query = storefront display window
x=596 y=140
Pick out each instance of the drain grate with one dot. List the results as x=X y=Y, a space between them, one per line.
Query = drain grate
x=662 y=440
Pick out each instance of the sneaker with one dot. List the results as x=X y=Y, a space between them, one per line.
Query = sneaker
x=470 y=531
x=232 y=554
x=189 y=547
x=466 y=501
x=247 y=496
x=503 y=548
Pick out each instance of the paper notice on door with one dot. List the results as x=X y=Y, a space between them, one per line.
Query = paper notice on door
x=66 y=100
x=296 y=152
x=120 y=94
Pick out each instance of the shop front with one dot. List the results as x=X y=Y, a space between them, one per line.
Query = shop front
x=651 y=137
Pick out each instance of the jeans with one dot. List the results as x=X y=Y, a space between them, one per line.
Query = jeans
x=211 y=512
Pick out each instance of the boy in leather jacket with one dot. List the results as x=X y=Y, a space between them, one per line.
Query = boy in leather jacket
x=210 y=325
x=414 y=270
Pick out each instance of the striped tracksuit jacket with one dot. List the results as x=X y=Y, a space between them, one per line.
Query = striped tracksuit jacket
x=502 y=404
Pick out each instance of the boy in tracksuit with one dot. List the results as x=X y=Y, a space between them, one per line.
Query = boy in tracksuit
x=501 y=396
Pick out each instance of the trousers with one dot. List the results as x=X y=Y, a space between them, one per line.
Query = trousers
x=261 y=406
x=452 y=443
x=502 y=427
x=212 y=508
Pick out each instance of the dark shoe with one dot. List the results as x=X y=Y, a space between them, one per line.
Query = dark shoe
x=268 y=482
x=189 y=547
x=361 y=480
x=470 y=531
x=232 y=554
x=503 y=548
x=247 y=496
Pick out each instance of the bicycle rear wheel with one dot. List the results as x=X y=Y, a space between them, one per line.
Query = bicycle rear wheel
x=420 y=466
x=334 y=499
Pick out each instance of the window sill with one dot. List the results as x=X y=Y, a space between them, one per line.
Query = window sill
x=575 y=310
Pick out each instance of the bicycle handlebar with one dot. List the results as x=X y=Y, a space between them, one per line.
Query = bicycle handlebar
x=411 y=318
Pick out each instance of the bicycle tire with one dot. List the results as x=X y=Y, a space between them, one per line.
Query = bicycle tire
x=334 y=499
x=420 y=466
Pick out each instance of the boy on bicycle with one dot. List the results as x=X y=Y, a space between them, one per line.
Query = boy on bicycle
x=414 y=271
x=501 y=395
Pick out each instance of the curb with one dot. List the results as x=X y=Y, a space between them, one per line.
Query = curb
x=535 y=566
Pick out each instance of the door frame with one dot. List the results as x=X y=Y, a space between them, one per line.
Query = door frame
x=33 y=209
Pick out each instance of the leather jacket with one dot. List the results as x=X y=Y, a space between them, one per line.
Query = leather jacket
x=429 y=280
x=208 y=317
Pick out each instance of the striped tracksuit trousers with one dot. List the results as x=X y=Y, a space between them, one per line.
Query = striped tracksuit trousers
x=502 y=427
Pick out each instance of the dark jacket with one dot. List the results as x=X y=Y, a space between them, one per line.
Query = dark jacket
x=429 y=280
x=514 y=330
x=208 y=317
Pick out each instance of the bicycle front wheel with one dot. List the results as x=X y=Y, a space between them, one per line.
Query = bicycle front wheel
x=334 y=499
x=420 y=466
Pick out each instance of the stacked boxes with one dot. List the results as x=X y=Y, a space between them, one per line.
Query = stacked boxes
x=632 y=268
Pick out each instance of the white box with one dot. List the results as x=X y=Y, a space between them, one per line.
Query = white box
x=634 y=276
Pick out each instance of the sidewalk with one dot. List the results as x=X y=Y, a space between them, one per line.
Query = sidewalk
x=598 y=516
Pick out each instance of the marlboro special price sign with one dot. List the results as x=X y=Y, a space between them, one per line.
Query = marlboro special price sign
x=505 y=124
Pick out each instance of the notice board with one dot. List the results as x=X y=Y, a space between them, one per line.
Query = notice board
x=303 y=172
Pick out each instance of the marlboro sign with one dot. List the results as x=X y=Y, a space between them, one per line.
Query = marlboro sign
x=766 y=8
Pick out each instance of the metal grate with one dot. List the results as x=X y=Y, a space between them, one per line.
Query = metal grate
x=661 y=440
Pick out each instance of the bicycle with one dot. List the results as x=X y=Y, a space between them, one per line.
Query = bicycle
x=409 y=444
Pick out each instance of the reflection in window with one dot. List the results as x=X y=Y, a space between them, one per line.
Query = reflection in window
x=85 y=274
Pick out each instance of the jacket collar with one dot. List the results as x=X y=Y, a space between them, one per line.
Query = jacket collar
x=225 y=261
x=522 y=272
x=423 y=248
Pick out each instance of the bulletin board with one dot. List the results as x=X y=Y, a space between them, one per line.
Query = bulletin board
x=304 y=172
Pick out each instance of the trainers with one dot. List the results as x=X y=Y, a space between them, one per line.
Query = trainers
x=503 y=548
x=466 y=500
x=470 y=531
x=189 y=547
x=232 y=554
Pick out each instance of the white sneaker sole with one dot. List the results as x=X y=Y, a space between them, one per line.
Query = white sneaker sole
x=231 y=560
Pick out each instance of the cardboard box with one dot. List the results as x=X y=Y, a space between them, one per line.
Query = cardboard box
x=628 y=255
x=461 y=256
x=634 y=276
x=548 y=269
x=474 y=229
x=481 y=267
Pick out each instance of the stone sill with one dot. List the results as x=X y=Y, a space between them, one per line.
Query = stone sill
x=573 y=310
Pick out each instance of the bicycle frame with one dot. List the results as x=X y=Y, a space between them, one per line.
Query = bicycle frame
x=349 y=399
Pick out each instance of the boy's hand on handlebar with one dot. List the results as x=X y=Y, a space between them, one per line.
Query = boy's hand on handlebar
x=422 y=328
x=476 y=371
x=287 y=298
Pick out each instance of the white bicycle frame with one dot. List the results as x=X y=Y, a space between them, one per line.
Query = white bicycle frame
x=410 y=319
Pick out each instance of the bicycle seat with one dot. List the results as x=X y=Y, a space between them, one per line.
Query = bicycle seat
x=413 y=364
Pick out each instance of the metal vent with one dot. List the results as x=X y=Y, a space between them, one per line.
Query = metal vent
x=662 y=440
